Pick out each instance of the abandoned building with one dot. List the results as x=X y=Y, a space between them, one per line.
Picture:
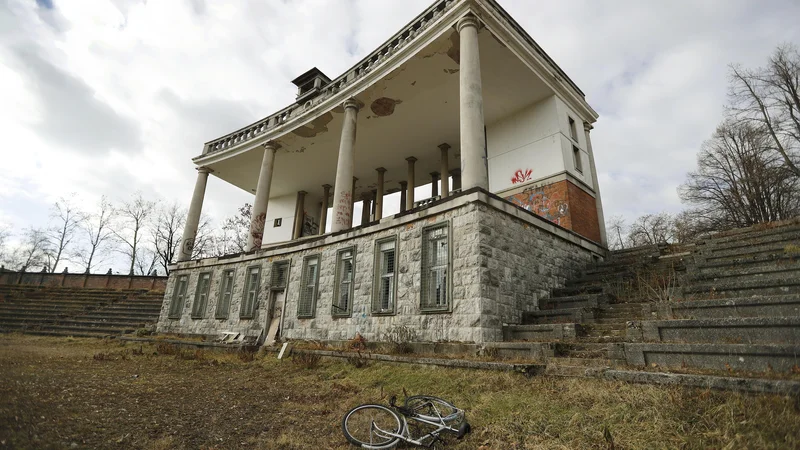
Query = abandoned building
x=461 y=98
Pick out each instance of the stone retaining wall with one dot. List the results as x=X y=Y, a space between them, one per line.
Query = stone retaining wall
x=503 y=259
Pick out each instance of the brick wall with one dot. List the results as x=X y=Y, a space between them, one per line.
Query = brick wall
x=562 y=203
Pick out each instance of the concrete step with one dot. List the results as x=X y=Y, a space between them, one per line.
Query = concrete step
x=78 y=334
x=756 y=255
x=719 y=356
x=541 y=332
x=104 y=323
x=750 y=306
x=744 y=249
x=742 y=287
x=106 y=315
x=582 y=349
x=571 y=315
x=577 y=290
x=752 y=330
x=760 y=270
x=753 y=233
x=521 y=350
x=573 y=301
x=105 y=330
x=735 y=247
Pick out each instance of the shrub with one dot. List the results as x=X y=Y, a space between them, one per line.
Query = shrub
x=400 y=339
x=358 y=343
x=305 y=359
x=358 y=360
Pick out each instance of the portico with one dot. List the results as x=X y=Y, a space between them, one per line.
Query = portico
x=460 y=93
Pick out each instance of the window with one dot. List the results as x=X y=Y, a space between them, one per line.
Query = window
x=250 y=293
x=385 y=287
x=435 y=268
x=308 y=287
x=201 y=295
x=277 y=222
x=279 y=276
x=225 y=291
x=343 y=292
x=576 y=157
x=178 y=297
x=573 y=131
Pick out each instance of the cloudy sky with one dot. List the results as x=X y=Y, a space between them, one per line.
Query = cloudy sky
x=106 y=97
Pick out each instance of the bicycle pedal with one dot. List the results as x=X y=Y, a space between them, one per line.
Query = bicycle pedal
x=463 y=429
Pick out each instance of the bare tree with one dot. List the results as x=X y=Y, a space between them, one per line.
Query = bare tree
x=235 y=229
x=770 y=97
x=5 y=253
x=32 y=251
x=146 y=260
x=616 y=229
x=651 y=229
x=168 y=231
x=66 y=219
x=740 y=181
x=133 y=218
x=97 y=229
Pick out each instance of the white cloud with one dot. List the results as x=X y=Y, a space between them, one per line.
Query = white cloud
x=109 y=97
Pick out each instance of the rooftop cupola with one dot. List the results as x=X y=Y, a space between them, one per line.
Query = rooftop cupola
x=310 y=84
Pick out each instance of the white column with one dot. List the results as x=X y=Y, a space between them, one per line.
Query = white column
x=259 y=213
x=343 y=188
x=379 y=194
x=445 y=177
x=193 y=218
x=474 y=171
x=403 y=195
x=411 y=183
x=366 y=208
x=323 y=210
x=598 y=201
x=299 y=215
x=434 y=184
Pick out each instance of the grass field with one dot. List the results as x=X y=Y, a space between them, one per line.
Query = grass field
x=74 y=393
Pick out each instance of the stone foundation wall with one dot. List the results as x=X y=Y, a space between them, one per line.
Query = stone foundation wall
x=80 y=280
x=520 y=264
x=503 y=259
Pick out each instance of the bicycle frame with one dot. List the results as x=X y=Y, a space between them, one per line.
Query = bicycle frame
x=405 y=433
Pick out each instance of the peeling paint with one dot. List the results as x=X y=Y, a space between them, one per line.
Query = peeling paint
x=384 y=106
x=451 y=71
x=413 y=83
x=317 y=126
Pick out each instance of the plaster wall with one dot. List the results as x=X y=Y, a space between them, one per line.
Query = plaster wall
x=279 y=208
x=564 y=112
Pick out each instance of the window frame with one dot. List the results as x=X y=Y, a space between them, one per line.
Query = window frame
x=448 y=307
x=243 y=313
x=573 y=128
x=196 y=313
x=178 y=295
x=378 y=276
x=336 y=310
x=218 y=313
x=304 y=285
x=577 y=159
x=273 y=270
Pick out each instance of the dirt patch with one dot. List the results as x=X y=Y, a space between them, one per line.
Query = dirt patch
x=65 y=393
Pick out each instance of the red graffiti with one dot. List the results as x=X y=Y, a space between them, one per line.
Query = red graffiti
x=521 y=177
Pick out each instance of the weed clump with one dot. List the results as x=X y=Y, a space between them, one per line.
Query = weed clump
x=306 y=360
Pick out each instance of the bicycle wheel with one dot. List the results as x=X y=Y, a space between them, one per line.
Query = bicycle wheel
x=367 y=426
x=432 y=408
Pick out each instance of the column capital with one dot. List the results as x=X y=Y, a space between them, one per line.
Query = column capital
x=455 y=172
x=302 y=192
x=587 y=126
x=271 y=145
x=204 y=170
x=411 y=159
x=444 y=146
x=467 y=21
x=403 y=184
x=380 y=170
x=435 y=175
x=327 y=187
x=366 y=195
x=351 y=103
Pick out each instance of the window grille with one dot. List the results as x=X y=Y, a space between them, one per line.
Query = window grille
x=201 y=295
x=279 y=276
x=343 y=294
x=435 y=268
x=308 y=287
x=250 y=293
x=225 y=292
x=178 y=297
x=384 y=290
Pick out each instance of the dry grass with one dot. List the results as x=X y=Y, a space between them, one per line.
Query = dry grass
x=53 y=393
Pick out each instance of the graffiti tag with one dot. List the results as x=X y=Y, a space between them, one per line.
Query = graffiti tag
x=521 y=177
